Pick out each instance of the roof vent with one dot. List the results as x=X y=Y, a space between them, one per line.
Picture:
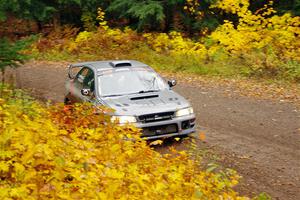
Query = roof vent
x=120 y=63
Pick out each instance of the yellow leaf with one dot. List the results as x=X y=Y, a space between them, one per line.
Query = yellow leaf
x=115 y=147
x=29 y=175
x=113 y=173
x=4 y=166
x=27 y=155
x=156 y=142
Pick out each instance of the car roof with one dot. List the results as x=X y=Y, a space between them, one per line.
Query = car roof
x=107 y=64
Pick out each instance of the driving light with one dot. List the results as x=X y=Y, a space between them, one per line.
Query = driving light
x=185 y=111
x=123 y=119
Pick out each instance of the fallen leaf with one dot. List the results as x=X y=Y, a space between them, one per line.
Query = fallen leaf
x=202 y=136
x=156 y=142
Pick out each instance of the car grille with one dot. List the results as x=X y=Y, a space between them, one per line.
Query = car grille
x=156 y=117
x=160 y=130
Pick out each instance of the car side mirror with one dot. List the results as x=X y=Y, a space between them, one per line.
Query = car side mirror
x=172 y=83
x=86 y=92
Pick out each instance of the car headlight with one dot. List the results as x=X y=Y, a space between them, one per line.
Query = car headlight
x=185 y=111
x=123 y=119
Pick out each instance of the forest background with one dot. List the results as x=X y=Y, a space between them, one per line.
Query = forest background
x=245 y=38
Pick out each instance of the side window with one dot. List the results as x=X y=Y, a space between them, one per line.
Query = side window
x=85 y=79
x=81 y=75
x=89 y=80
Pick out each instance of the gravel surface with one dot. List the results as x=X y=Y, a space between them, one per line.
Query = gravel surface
x=258 y=138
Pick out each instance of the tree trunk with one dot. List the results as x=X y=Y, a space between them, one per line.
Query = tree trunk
x=3 y=75
x=39 y=25
x=56 y=20
x=2 y=81
x=169 y=15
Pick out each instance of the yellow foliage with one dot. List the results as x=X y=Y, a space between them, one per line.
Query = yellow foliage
x=262 y=41
x=83 y=36
x=101 y=19
x=47 y=154
x=262 y=31
x=191 y=8
x=257 y=31
x=175 y=44
x=239 y=7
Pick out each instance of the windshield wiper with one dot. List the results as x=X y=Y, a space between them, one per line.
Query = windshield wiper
x=113 y=95
x=147 y=91
x=143 y=91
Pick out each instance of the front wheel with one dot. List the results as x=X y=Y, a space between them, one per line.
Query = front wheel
x=67 y=101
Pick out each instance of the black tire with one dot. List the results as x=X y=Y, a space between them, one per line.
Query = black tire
x=67 y=101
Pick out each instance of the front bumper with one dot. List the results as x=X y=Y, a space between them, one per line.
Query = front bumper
x=178 y=126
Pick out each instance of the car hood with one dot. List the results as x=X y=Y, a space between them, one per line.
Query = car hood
x=146 y=103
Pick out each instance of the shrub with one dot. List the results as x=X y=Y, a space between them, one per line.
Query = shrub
x=272 y=39
x=71 y=153
x=11 y=54
x=262 y=42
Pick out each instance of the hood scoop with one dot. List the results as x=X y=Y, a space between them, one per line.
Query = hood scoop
x=143 y=97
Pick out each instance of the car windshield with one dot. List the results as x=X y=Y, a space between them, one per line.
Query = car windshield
x=128 y=81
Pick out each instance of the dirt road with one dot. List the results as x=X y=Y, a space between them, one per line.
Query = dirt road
x=258 y=138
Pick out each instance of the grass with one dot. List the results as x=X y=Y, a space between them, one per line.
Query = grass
x=224 y=68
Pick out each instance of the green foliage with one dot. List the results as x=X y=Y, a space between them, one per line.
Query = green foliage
x=89 y=22
x=42 y=11
x=29 y=9
x=147 y=13
x=288 y=6
x=11 y=53
x=186 y=15
x=162 y=15
x=296 y=7
x=263 y=196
